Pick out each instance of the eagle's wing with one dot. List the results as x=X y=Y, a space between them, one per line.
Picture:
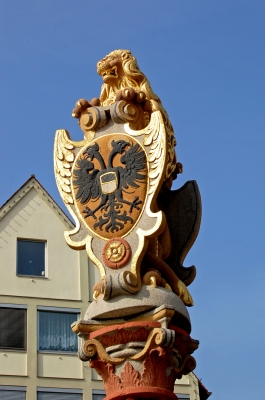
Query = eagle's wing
x=135 y=162
x=155 y=142
x=86 y=182
x=64 y=156
x=63 y=159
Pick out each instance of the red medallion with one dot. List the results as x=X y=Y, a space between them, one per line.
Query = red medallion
x=116 y=253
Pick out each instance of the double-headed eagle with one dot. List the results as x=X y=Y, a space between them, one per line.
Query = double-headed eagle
x=109 y=182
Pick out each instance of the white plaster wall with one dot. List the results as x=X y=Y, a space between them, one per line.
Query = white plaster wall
x=185 y=380
x=33 y=217
x=13 y=363
x=188 y=384
x=95 y=376
x=59 y=366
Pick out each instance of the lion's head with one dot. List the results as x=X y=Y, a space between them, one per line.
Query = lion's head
x=119 y=70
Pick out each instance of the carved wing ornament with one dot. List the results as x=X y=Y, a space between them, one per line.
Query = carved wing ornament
x=154 y=138
x=64 y=157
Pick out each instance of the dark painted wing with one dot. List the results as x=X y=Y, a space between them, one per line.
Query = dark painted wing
x=183 y=213
x=86 y=181
x=135 y=162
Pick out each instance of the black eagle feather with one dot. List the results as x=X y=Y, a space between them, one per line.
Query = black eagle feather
x=86 y=182
x=134 y=160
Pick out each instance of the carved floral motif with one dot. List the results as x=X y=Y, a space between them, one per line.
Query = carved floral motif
x=154 y=373
x=111 y=381
x=130 y=377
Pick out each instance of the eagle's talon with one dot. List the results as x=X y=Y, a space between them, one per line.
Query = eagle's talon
x=134 y=204
x=88 y=213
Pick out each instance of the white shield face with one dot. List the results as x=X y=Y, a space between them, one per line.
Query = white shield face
x=108 y=182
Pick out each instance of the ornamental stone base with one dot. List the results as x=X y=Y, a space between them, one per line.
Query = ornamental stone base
x=141 y=359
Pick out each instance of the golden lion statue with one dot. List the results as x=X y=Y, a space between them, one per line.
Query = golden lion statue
x=123 y=79
x=119 y=70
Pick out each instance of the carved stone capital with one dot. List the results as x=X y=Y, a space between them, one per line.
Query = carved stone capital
x=155 y=381
x=139 y=359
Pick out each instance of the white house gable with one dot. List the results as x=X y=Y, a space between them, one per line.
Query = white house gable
x=32 y=222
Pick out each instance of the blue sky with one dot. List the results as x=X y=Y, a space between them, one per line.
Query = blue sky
x=206 y=61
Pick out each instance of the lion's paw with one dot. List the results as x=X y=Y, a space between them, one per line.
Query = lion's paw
x=184 y=294
x=129 y=94
x=82 y=104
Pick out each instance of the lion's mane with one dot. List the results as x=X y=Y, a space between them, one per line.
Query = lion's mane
x=133 y=77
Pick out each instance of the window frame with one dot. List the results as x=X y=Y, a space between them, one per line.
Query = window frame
x=17 y=307
x=99 y=392
x=65 y=310
x=45 y=276
x=11 y=388
x=59 y=390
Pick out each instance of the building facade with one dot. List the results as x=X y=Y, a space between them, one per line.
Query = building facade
x=44 y=287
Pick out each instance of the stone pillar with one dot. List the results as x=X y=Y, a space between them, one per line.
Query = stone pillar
x=143 y=357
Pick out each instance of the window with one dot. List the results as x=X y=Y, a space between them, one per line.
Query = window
x=98 y=394
x=55 y=333
x=183 y=396
x=59 y=394
x=30 y=257
x=12 y=392
x=12 y=327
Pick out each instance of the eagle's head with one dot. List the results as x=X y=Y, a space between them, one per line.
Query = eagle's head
x=91 y=151
x=119 y=145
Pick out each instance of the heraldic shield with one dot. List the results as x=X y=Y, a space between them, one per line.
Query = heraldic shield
x=116 y=183
x=109 y=182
